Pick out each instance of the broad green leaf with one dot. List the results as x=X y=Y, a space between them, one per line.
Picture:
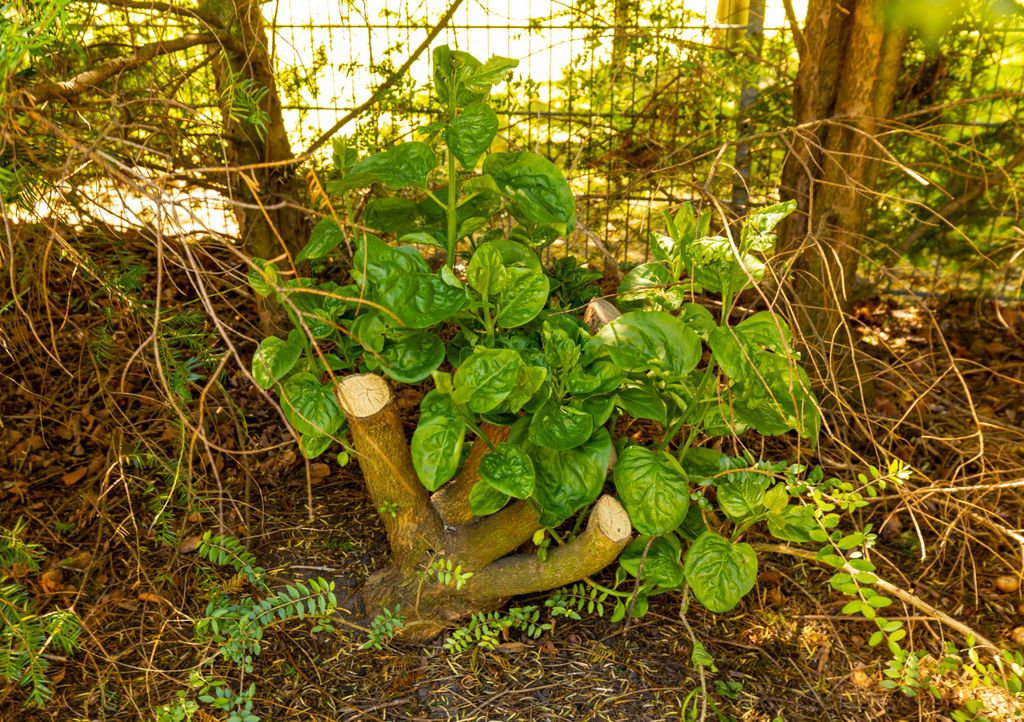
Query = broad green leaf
x=485 y=272
x=480 y=199
x=369 y=329
x=601 y=376
x=561 y=351
x=343 y=155
x=484 y=499
x=437 y=403
x=325 y=237
x=537 y=189
x=528 y=383
x=663 y=248
x=424 y=238
x=715 y=264
x=516 y=255
x=480 y=79
x=757 y=228
x=454 y=64
x=651 y=285
x=661 y=566
x=412 y=356
x=764 y=330
x=653 y=488
x=470 y=133
x=524 y=297
x=698 y=318
x=598 y=406
x=375 y=261
x=642 y=401
x=275 y=358
x=420 y=300
x=643 y=278
x=773 y=394
x=560 y=427
x=309 y=405
x=741 y=493
x=486 y=378
x=405 y=165
x=703 y=464
x=313 y=306
x=400 y=216
x=693 y=525
x=568 y=480
x=400 y=280
x=264 y=277
x=776 y=499
x=640 y=340
x=794 y=523
x=470 y=226
x=719 y=572
x=437 y=449
x=312 y=445
x=509 y=470
x=473 y=78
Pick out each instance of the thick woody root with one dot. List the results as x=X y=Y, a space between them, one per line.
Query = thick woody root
x=420 y=529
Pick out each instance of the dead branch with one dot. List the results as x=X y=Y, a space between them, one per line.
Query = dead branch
x=86 y=80
x=390 y=81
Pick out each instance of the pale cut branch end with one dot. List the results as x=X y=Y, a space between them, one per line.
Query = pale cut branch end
x=363 y=395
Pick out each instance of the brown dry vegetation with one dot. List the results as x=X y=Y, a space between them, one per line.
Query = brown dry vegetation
x=82 y=396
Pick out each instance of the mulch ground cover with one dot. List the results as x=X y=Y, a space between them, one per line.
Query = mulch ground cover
x=117 y=491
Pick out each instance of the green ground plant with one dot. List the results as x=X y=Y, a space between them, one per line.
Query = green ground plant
x=25 y=635
x=516 y=366
x=235 y=623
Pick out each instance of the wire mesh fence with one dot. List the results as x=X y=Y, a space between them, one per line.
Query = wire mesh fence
x=642 y=104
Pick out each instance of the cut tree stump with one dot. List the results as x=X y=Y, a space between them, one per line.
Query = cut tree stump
x=422 y=529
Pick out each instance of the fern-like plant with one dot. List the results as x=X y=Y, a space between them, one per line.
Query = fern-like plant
x=236 y=623
x=25 y=636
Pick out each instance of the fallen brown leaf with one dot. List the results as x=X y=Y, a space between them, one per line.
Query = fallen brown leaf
x=189 y=544
x=73 y=477
x=511 y=647
x=861 y=679
x=51 y=581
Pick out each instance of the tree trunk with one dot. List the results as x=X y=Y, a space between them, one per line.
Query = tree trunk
x=261 y=178
x=742 y=161
x=480 y=546
x=732 y=13
x=843 y=87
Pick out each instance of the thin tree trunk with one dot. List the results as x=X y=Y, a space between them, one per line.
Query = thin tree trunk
x=742 y=162
x=261 y=176
x=843 y=87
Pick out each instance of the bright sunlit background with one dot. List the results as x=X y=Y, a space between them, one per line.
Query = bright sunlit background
x=345 y=43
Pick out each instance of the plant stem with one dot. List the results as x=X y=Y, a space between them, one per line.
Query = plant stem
x=453 y=180
x=607 y=590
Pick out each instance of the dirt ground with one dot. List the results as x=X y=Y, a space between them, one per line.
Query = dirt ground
x=96 y=461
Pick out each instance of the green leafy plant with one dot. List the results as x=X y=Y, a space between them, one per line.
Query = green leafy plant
x=383 y=627
x=236 y=624
x=520 y=424
x=486 y=630
x=25 y=635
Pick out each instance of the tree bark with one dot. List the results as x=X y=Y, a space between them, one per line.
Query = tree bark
x=844 y=86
